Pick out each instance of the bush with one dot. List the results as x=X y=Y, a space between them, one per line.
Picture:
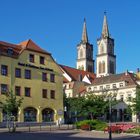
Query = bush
x=93 y=124
x=134 y=130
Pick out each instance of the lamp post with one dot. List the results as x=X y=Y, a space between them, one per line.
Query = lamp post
x=110 y=115
x=65 y=113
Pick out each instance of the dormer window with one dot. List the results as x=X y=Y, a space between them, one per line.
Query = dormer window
x=10 y=51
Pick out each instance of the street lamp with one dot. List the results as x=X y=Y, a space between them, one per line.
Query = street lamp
x=110 y=115
x=65 y=113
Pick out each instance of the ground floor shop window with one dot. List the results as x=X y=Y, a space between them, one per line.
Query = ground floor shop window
x=30 y=114
x=47 y=115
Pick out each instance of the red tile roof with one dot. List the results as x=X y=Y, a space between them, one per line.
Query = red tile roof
x=17 y=49
x=30 y=45
x=127 y=77
x=74 y=73
x=4 y=46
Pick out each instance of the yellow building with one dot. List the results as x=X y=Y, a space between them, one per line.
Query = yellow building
x=32 y=74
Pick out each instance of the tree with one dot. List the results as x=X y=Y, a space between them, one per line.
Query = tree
x=11 y=105
x=94 y=106
x=136 y=103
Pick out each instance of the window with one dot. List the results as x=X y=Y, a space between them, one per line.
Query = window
x=107 y=86
x=27 y=92
x=114 y=86
x=95 y=88
x=121 y=97
x=129 y=97
x=44 y=76
x=81 y=53
x=4 y=88
x=18 y=72
x=52 y=94
x=101 y=87
x=42 y=60
x=27 y=74
x=89 y=89
x=52 y=77
x=31 y=58
x=112 y=67
x=17 y=90
x=44 y=93
x=121 y=84
x=4 y=70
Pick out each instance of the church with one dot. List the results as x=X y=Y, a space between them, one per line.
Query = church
x=105 y=81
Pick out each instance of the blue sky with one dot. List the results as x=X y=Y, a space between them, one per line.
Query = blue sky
x=56 y=26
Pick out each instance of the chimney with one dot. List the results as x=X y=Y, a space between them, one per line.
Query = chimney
x=126 y=73
x=80 y=77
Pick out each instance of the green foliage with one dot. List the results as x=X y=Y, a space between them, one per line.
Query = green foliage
x=94 y=124
x=136 y=103
x=135 y=130
x=11 y=104
x=91 y=106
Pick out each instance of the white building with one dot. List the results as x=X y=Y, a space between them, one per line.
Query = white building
x=123 y=86
x=75 y=81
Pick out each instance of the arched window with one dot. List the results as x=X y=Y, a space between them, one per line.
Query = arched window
x=112 y=67
x=101 y=49
x=100 y=67
x=30 y=114
x=81 y=53
x=103 y=67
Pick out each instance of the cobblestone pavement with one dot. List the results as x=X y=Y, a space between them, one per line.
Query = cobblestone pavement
x=64 y=135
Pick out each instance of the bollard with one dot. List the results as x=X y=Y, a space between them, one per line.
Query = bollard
x=29 y=128
x=50 y=127
x=68 y=126
x=40 y=127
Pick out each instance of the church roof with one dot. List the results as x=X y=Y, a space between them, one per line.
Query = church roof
x=75 y=73
x=105 y=30
x=84 y=34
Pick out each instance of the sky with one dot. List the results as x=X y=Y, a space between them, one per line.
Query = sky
x=56 y=26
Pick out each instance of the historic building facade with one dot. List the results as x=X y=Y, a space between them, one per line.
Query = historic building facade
x=32 y=74
x=106 y=59
x=75 y=81
x=121 y=87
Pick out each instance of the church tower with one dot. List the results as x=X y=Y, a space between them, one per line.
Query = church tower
x=106 y=59
x=85 y=53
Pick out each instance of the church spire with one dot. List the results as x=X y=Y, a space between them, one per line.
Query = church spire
x=84 y=34
x=105 y=31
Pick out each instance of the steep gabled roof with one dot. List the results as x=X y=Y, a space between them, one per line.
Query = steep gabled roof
x=30 y=45
x=18 y=49
x=75 y=73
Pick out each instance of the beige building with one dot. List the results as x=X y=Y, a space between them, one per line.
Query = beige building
x=31 y=73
